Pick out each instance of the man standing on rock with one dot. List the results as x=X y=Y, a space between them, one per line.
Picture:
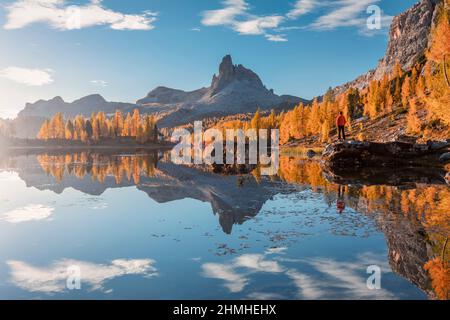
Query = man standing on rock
x=340 y=123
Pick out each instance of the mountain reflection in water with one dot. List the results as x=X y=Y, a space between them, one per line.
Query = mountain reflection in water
x=411 y=210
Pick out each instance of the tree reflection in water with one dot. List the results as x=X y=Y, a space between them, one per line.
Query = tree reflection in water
x=414 y=216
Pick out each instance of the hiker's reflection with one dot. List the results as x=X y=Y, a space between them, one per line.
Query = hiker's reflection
x=340 y=203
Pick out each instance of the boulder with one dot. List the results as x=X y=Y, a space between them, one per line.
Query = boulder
x=351 y=154
x=311 y=153
x=438 y=145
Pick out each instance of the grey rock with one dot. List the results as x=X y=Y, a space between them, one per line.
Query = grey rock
x=408 y=39
x=311 y=153
x=438 y=145
x=445 y=157
x=352 y=154
x=235 y=89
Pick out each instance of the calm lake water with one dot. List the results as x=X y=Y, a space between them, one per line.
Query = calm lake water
x=137 y=226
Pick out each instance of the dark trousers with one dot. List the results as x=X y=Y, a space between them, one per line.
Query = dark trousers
x=341 y=130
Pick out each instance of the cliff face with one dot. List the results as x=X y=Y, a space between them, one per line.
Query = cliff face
x=409 y=36
x=228 y=73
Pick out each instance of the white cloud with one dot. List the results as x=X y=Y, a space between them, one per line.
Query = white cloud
x=386 y=21
x=309 y=288
x=32 y=212
x=346 y=13
x=265 y=296
x=334 y=14
x=225 y=16
x=100 y=83
x=53 y=279
x=329 y=278
x=29 y=77
x=257 y=25
x=276 y=250
x=276 y=37
x=235 y=16
x=62 y=16
x=346 y=276
x=257 y=263
x=302 y=7
x=195 y=29
x=236 y=280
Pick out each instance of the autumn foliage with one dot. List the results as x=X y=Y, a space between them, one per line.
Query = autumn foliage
x=99 y=127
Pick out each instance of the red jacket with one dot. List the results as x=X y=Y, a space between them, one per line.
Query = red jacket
x=341 y=121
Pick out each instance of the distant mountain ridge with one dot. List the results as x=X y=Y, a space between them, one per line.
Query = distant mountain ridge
x=84 y=106
x=235 y=89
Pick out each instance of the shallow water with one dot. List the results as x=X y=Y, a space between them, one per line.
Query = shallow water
x=136 y=226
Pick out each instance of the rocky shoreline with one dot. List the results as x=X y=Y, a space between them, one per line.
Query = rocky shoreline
x=342 y=160
x=389 y=154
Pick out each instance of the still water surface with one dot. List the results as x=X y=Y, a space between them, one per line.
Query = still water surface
x=139 y=227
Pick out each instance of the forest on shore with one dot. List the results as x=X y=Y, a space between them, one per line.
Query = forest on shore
x=98 y=128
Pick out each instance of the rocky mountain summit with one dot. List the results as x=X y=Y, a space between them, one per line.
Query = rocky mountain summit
x=235 y=89
x=228 y=73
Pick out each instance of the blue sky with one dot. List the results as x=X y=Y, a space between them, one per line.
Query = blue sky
x=123 y=49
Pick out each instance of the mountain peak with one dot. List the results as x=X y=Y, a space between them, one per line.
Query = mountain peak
x=92 y=98
x=57 y=99
x=226 y=66
x=229 y=73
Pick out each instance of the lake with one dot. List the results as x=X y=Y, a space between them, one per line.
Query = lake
x=136 y=226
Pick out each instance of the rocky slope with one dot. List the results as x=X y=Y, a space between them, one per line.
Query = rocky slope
x=408 y=39
x=235 y=89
